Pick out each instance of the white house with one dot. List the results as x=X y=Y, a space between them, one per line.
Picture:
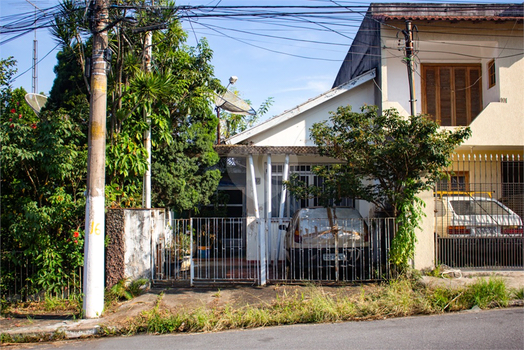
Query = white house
x=469 y=71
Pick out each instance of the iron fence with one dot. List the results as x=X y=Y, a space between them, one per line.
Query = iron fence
x=18 y=276
x=352 y=250
x=226 y=250
x=478 y=212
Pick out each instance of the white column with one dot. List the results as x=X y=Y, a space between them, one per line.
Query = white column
x=261 y=247
x=285 y=177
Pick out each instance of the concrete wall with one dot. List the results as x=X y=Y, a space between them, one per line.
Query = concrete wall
x=115 y=250
x=133 y=234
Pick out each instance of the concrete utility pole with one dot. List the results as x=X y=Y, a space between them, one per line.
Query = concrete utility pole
x=94 y=258
x=146 y=189
x=408 y=35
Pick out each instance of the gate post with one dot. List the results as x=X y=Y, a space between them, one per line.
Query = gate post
x=191 y=265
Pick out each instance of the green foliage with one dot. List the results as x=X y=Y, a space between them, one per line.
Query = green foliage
x=483 y=293
x=126 y=290
x=385 y=159
x=43 y=171
x=184 y=178
x=486 y=293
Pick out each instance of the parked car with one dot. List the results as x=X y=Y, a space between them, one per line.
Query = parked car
x=475 y=216
x=312 y=239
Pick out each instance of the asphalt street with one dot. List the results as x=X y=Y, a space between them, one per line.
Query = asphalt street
x=493 y=329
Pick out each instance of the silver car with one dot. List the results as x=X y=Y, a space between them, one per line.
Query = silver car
x=320 y=240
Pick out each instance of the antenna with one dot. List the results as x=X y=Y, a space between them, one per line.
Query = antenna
x=233 y=104
x=35 y=101
x=35 y=54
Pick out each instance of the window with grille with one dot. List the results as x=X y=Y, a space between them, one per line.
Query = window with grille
x=452 y=94
x=293 y=204
x=458 y=181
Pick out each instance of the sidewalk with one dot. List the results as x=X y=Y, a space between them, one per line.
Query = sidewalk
x=186 y=298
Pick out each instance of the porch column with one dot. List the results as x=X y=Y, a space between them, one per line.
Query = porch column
x=261 y=247
x=285 y=177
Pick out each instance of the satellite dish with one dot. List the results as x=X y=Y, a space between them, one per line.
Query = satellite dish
x=233 y=104
x=35 y=101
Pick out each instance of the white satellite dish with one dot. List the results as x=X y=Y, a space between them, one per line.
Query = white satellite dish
x=35 y=101
x=233 y=104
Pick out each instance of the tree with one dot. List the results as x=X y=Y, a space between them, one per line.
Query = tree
x=43 y=179
x=176 y=95
x=385 y=159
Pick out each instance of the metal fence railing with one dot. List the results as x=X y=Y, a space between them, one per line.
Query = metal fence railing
x=18 y=280
x=206 y=249
x=222 y=250
x=478 y=212
x=359 y=253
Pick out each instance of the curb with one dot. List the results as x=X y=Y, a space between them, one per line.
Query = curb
x=60 y=333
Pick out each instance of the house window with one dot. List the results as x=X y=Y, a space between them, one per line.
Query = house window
x=491 y=73
x=293 y=204
x=458 y=181
x=452 y=94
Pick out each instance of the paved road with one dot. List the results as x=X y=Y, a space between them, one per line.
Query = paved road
x=494 y=329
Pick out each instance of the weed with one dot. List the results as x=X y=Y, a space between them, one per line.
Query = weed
x=486 y=293
x=517 y=293
x=125 y=290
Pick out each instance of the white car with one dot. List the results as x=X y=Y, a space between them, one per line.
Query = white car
x=475 y=216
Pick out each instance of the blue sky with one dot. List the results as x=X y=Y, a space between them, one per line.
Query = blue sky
x=265 y=66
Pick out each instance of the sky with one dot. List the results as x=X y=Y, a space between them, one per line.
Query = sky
x=291 y=70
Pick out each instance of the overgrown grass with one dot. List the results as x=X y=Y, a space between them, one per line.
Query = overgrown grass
x=71 y=305
x=396 y=298
x=401 y=297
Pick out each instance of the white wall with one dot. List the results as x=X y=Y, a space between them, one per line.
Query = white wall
x=144 y=228
x=467 y=44
x=295 y=131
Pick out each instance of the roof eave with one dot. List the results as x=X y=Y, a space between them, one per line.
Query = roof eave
x=313 y=102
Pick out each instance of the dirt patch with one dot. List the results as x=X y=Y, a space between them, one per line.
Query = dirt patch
x=186 y=299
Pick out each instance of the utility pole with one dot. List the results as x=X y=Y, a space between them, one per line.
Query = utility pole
x=94 y=258
x=408 y=35
x=146 y=190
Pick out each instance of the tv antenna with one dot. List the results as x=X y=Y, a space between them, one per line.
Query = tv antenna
x=35 y=101
x=34 y=84
x=231 y=103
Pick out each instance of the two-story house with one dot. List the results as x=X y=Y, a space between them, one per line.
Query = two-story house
x=468 y=71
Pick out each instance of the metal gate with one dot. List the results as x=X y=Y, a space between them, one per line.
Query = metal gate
x=225 y=250
x=478 y=212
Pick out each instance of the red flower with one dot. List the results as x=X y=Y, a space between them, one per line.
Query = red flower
x=76 y=234
x=19 y=116
x=10 y=119
x=12 y=126
x=18 y=103
x=76 y=241
x=33 y=126
x=13 y=110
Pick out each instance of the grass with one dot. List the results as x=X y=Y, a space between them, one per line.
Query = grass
x=71 y=306
x=396 y=298
x=401 y=297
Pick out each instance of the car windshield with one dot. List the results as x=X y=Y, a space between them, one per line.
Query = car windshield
x=478 y=207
